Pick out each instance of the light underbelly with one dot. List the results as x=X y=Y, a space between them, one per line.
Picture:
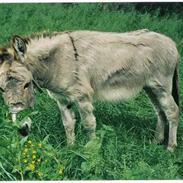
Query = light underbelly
x=117 y=94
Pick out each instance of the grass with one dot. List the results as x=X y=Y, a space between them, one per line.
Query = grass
x=123 y=148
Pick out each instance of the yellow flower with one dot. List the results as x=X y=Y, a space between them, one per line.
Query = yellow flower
x=61 y=171
x=31 y=167
x=25 y=161
x=40 y=174
x=34 y=152
x=40 y=145
x=29 y=142
x=25 y=150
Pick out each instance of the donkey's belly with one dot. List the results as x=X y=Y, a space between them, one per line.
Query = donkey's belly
x=116 y=94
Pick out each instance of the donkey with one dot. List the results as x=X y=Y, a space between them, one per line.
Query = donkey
x=74 y=66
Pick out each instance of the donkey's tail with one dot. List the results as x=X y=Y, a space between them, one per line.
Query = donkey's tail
x=175 y=87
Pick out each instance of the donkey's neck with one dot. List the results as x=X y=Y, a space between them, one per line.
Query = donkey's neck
x=52 y=61
x=38 y=71
x=39 y=56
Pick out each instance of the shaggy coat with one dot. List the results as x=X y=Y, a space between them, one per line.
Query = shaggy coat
x=75 y=66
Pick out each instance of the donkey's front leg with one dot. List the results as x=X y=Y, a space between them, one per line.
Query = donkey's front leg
x=87 y=117
x=68 y=119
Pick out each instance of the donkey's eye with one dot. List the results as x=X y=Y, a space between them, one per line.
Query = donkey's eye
x=27 y=85
x=1 y=90
x=1 y=60
x=11 y=78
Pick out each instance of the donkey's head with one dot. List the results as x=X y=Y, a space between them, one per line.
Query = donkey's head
x=15 y=79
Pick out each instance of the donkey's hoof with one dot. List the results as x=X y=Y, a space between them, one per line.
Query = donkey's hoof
x=92 y=136
x=70 y=142
x=171 y=148
x=158 y=141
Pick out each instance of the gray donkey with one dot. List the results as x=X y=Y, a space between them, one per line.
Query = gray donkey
x=74 y=66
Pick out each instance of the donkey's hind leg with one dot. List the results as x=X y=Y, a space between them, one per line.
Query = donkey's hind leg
x=169 y=107
x=171 y=111
x=161 y=118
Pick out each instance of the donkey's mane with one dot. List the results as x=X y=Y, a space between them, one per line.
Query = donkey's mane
x=44 y=34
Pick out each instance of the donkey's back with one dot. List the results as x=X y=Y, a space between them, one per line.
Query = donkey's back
x=118 y=65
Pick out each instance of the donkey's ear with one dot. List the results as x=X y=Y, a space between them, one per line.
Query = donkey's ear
x=20 y=46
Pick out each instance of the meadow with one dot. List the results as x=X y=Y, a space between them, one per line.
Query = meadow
x=123 y=148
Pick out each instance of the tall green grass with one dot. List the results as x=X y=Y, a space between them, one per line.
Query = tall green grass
x=123 y=148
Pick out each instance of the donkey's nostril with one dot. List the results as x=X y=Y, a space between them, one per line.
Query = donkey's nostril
x=27 y=85
x=18 y=104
